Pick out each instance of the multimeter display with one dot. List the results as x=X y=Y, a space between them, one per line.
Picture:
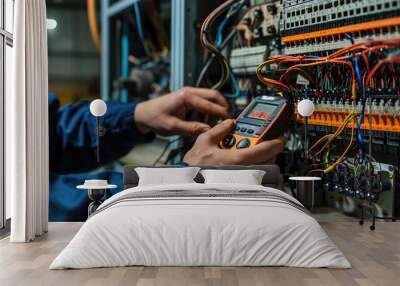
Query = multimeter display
x=261 y=111
x=263 y=119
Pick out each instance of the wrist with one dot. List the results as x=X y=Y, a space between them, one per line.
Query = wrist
x=139 y=116
x=196 y=158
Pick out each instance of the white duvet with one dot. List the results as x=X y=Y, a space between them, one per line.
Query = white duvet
x=200 y=231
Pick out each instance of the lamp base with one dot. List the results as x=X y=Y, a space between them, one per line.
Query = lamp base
x=95 y=196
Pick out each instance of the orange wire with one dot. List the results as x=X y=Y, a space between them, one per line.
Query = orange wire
x=92 y=19
x=339 y=57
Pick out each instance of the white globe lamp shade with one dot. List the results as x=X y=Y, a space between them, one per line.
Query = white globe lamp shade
x=98 y=107
x=305 y=107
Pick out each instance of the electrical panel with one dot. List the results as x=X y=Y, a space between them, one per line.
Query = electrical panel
x=301 y=17
x=260 y=32
x=344 y=56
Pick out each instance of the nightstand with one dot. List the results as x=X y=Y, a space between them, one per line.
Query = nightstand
x=305 y=190
x=96 y=190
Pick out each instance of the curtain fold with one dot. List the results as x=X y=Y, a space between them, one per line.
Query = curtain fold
x=27 y=124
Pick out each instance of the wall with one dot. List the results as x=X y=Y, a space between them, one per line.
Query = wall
x=74 y=65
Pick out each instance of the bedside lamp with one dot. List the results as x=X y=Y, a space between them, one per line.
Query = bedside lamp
x=98 y=108
x=305 y=185
x=96 y=190
x=306 y=108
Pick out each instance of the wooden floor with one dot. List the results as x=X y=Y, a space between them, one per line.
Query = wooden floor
x=375 y=257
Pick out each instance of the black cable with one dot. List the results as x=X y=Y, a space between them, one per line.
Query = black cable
x=164 y=151
x=204 y=39
x=221 y=60
x=212 y=57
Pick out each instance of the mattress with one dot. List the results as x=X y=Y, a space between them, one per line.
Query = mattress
x=201 y=225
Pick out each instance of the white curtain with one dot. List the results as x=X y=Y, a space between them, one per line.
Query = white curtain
x=27 y=124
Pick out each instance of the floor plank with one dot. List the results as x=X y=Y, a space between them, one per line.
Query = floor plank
x=375 y=257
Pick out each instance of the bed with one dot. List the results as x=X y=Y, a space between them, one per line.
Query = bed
x=197 y=224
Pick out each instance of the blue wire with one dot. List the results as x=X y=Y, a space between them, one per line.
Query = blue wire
x=236 y=88
x=221 y=28
x=357 y=70
x=219 y=41
x=138 y=19
x=220 y=31
x=362 y=111
x=350 y=38
x=124 y=59
x=355 y=60
x=359 y=131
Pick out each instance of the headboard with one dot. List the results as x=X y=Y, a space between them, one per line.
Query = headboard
x=272 y=177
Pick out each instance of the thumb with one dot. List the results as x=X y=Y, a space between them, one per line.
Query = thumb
x=218 y=132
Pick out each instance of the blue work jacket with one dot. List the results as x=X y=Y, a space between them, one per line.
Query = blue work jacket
x=73 y=143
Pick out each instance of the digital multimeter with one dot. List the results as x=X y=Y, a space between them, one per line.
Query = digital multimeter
x=263 y=119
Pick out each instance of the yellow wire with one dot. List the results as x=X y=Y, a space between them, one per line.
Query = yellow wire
x=331 y=137
x=332 y=167
x=319 y=141
x=228 y=70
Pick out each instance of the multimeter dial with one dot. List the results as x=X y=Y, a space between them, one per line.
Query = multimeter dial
x=229 y=141
x=244 y=143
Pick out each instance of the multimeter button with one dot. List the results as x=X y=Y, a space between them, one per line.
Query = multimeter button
x=244 y=143
x=243 y=129
x=250 y=131
x=229 y=141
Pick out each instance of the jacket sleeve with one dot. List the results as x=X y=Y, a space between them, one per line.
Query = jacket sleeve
x=73 y=140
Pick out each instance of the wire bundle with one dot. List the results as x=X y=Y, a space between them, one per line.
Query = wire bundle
x=351 y=58
x=214 y=47
x=355 y=67
x=329 y=138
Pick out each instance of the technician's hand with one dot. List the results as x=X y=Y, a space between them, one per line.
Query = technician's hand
x=166 y=115
x=207 y=152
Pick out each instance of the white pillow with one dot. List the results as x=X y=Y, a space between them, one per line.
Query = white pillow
x=247 y=177
x=166 y=176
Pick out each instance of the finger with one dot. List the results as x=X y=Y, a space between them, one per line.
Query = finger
x=262 y=152
x=209 y=94
x=187 y=128
x=205 y=106
x=218 y=132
